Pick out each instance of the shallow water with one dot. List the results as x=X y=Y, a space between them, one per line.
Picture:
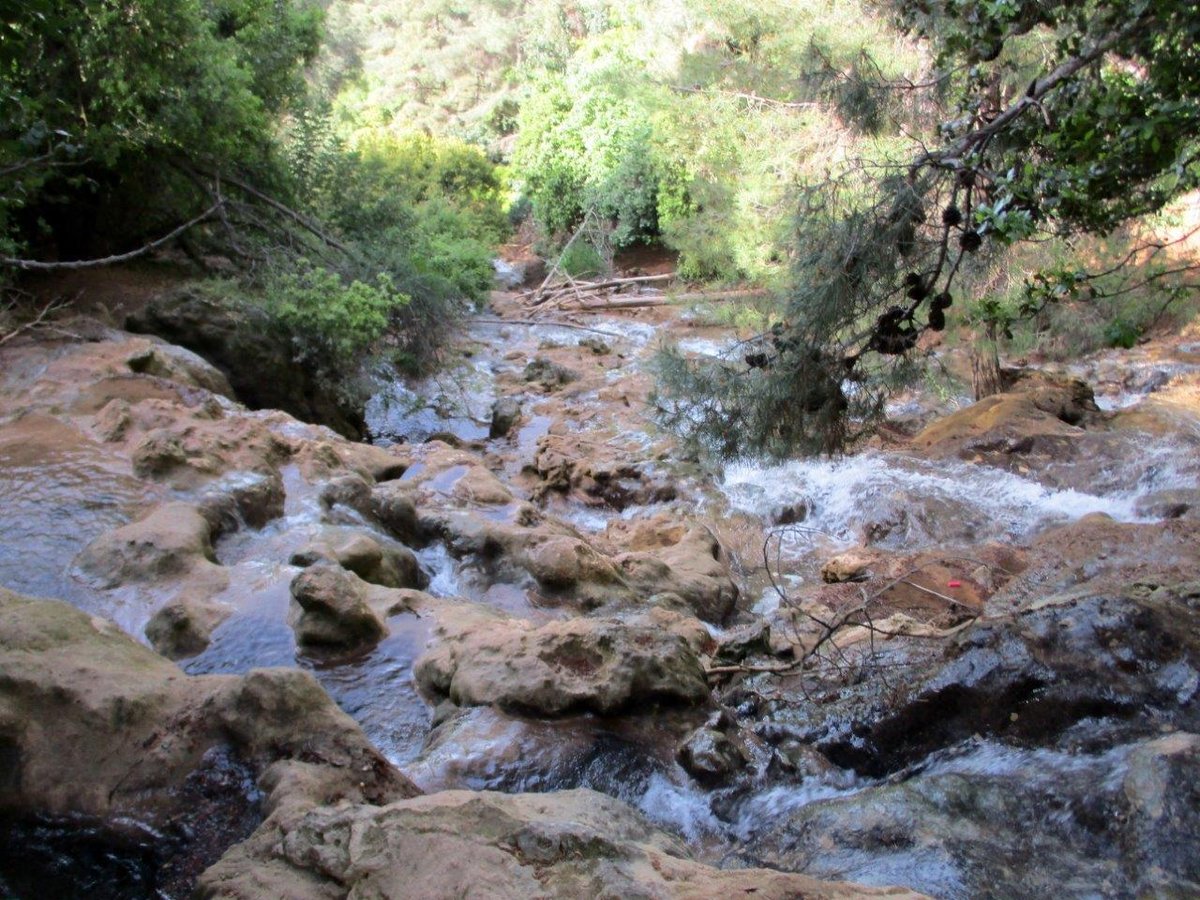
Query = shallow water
x=56 y=499
x=933 y=502
x=59 y=490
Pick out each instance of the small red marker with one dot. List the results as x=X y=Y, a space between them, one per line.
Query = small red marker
x=954 y=584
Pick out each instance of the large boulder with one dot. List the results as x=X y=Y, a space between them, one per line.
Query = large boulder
x=710 y=756
x=485 y=748
x=566 y=844
x=97 y=727
x=1105 y=555
x=1036 y=409
x=516 y=544
x=333 y=608
x=184 y=625
x=602 y=471
x=547 y=374
x=569 y=567
x=695 y=569
x=445 y=472
x=173 y=541
x=506 y=413
x=243 y=499
x=258 y=362
x=602 y=665
x=392 y=505
x=377 y=561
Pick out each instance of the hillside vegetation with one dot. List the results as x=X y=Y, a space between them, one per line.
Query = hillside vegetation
x=351 y=168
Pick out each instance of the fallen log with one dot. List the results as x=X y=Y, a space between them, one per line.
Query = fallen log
x=668 y=300
x=550 y=323
x=542 y=295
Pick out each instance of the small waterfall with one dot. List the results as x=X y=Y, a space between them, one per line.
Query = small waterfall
x=930 y=501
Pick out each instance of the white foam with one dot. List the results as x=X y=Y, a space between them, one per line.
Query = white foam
x=443 y=580
x=839 y=494
x=682 y=808
x=773 y=804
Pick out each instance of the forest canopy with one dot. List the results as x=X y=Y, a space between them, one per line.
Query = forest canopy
x=349 y=169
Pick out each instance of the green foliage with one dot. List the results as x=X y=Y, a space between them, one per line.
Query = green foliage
x=691 y=124
x=582 y=260
x=429 y=211
x=331 y=323
x=424 y=212
x=98 y=97
x=793 y=388
x=447 y=250
x=120 y=119
x=1065 y=119
x=1121 y=333
x=686 y=122
x=1117 y=141
x=584 y=143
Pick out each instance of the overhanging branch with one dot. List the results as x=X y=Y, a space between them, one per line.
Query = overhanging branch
x=30 y=265
x=1033 y=97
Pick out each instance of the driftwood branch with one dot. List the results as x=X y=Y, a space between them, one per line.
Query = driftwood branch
x=50 y=307
x=299 y=218
x=857 y=616
x=550 y=323
x=537 y=296
x=667 y=300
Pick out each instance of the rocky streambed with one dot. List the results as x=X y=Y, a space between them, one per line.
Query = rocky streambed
x=520 y=646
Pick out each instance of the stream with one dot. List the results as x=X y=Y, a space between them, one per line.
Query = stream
x=633 y=757
x=895 y=500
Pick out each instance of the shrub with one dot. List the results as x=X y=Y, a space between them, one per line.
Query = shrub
x=332 y=324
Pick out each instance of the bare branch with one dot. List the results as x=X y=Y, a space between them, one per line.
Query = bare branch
x=30 y=265
x=952 y=156
x=303 y=221
x=50 y=307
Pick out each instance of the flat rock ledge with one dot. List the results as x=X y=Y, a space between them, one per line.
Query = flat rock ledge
x=468 y=844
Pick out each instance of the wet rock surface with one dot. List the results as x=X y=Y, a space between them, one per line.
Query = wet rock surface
x=566 y=844
x=78 y=695
x=1041 y=677
x=576 y=665
x=332 y=609
x=963 y=663
x=992 y=822
x=259 y=365
x=183 y=627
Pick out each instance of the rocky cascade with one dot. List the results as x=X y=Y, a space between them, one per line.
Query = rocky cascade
x=957 y=663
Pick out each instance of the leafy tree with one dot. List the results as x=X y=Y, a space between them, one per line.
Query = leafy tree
x=131 y=123
x=103 y=102
x=1064 y=118
x=424 y=213
x=690 y=123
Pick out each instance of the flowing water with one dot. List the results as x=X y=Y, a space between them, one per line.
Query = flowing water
x=67 y=493
x=58 y=490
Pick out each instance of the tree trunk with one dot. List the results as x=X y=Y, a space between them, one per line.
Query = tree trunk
x=985 y=366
